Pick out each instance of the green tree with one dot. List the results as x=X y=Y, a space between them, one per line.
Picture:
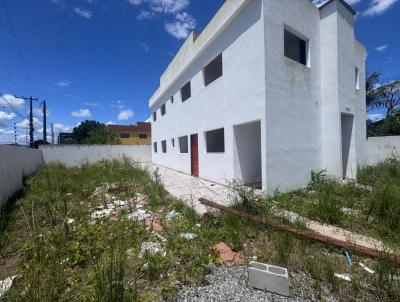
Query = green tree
x=94 y=133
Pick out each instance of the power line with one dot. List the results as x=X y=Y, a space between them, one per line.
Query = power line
x=18 y=45
x=14 y=83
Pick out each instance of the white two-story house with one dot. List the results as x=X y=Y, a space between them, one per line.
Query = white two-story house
x=267 y=92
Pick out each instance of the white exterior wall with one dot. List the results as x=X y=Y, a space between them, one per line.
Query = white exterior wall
x=236 y=97
x=381 y=148
x=298 y=107
x=75 y=155
x=292 y=96
x=15 y=164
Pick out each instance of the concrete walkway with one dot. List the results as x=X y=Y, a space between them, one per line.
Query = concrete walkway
x=190 y=189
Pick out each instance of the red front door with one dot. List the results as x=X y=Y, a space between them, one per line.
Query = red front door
x=194 y=154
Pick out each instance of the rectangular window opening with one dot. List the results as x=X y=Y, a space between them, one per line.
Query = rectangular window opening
x=183 y=144
x=357 y=78
x=155 y=147
x=213 y=70
x=215 y=141
x=295 y=47
x=172 y=99
x=186 y=91
x=154 y=116
x=124 y=135
x=173 y=142
x=163 y=110
x=142 y=135
x=164 y=146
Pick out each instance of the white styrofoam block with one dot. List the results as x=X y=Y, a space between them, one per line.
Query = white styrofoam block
x=270 y=278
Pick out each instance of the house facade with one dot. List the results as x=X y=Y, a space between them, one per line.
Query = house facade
x=139 y=134
x=269 y=91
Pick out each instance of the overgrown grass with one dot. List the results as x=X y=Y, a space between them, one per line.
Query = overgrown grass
x=82 y=260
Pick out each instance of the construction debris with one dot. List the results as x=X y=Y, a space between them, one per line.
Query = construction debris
x=151 y=248
x=153 y=221
x=366 y=268
x=5 y=285
x=188 y=236
x=226 y=255
x=139 y=215
x=345 y=277
x=101 y=214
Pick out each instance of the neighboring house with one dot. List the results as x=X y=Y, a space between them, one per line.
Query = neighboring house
x=66 y=138
x=139 y=134
x=267 y=92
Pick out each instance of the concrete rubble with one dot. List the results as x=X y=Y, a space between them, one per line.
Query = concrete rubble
x=151 y=248
x=5 y=285
x=188 y=236
x=226 y=255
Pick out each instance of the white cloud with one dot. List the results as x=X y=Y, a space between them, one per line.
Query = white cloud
x=39 y=112
x=110 y=123
x=85 y=13
x=61 y=127
x=125 y=115
x=25 y=123
x=9 y=101
x=92 y=104
x=81 y=113
x=163 y=6
x=182 y=26
x=6 y=116
x=118 y=104
x=145 y=15
x=63 y=83
x=352 y=2
x=382 y=48
x=144 y=46
x=378 y=7
x=374 y=117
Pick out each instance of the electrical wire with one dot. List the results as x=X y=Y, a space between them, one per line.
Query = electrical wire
x=19 y=46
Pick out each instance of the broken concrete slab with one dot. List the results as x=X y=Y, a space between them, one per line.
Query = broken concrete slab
x=270 y=278
x=151 y=248
x=139 y=215
x=6 y=284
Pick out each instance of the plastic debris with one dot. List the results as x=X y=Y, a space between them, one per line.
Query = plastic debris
x=101 y=214
x=346 y=253
x=70 y=221
x=198 y=225
x=120 y=203
x=366 y=268
x=6 y=284
x=151 y=248
x=171 y=215
x=139 y=215
x=345 y=277
x=188 y=236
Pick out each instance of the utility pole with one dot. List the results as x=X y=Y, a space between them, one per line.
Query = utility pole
x=52 y=133
x=44 y=123
x=30 y=99
x=15 y=133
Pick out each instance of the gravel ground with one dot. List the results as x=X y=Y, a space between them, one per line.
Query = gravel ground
x=229 y=283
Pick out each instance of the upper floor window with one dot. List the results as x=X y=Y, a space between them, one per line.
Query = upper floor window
x=357 y=78
x=173 y=142
x=213 y=70
x=163 y=110
x=186 y=91
x=215 y=141
x=164 y=146
x=154 y=116
x=172 y=99
x=143 y=135
x=295 y=47
x=155 y=147
x=124 y=135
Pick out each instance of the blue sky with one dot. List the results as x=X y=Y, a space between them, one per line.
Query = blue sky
x=102 y=59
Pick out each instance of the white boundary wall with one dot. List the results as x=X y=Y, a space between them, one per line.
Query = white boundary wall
x=15 y=164
x=75 y=155
x=381 y=148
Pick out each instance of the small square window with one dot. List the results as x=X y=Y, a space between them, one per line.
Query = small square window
x=163 y=110
x=142 y=135
x=124 y=135
x=154 y=116
x=173 y=142
x=213 y=70
x=164 y=146
x=357 y=78
x=155 y=147
x=215 y=141
x=183 y=144
x=186 y=91
x=295 y=47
